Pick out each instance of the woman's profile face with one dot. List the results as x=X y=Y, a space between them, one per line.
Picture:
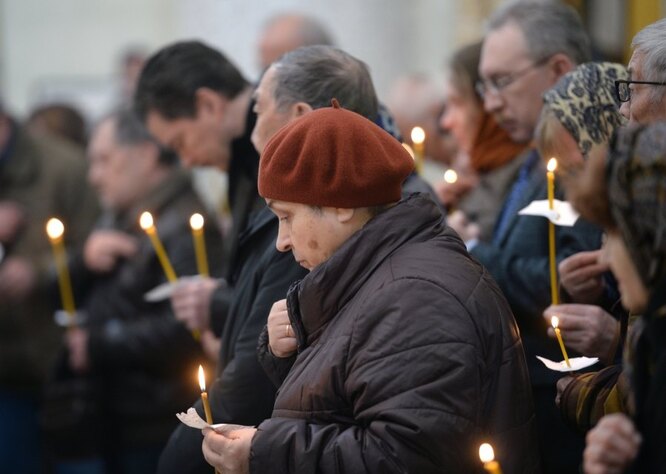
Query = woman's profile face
x=462 y=116
x=634 y=293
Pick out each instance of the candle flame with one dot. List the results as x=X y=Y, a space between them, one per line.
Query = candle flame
x=450 y=176
x=146 y=220
x=202 y=379
x=555 y=321
x=486 y=453
x=196 y=221
x=409 y=149
x=54 y=228
x=418 y=135
x=552 y=165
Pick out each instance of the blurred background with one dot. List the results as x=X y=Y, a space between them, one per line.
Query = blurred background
x=87 y=52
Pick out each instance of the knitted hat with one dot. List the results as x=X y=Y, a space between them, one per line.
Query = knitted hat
x=333 y=157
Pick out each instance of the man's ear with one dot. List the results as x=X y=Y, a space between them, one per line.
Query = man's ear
x=208 y=101
x=344 y=215
x=561 y=64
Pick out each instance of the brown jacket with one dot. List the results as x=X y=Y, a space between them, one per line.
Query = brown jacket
x=409 y=358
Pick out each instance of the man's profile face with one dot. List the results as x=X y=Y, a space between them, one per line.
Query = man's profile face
x=269 y=117
x=517 y=103
x=197 y=140
x=117 y=172
x=641 y=108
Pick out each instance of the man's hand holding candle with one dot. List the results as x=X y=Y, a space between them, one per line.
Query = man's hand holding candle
x=588 y=329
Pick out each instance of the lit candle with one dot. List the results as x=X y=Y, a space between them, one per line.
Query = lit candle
x=204 y=399
x=418 y=140
x=196 y=223
x=450 y=176
x=146 y=222
x=487 y=456
x=554 y=294
x=55 y=230
x=555 y=321
x=204 y=396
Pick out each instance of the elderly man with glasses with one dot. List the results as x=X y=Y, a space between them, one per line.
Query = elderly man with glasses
x=528 y=46
x=643 y=97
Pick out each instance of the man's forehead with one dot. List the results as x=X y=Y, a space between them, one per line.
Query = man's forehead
x=502 y=48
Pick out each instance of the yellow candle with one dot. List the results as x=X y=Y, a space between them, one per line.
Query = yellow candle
x=55 y=230
x=196 y=223
x=204 y=399
x=450 y=176
x=146 y=222
x=487 y=456
x=418 y=140
x=554 y=294
x=204 y=396
x=555 y=321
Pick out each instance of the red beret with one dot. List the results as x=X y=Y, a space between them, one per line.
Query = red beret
x=333 y=157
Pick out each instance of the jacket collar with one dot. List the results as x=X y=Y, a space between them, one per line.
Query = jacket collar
x=316 y=299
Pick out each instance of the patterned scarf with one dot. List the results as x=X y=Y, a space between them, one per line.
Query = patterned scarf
x=637 y=196
x=585 y=103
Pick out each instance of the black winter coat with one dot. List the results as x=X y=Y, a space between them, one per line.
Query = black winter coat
x=242 y=392
x=409 y=358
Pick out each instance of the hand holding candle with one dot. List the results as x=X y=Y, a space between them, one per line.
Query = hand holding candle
x=418 y=139
x=487 y=456
x=555 y=321
x=554 y=294
x=196 y=223
x=55 y=230
x=146 y=222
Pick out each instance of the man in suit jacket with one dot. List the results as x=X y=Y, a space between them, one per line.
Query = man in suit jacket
x=527 y=48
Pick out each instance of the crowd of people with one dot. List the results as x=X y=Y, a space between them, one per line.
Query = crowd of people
x=353 y=319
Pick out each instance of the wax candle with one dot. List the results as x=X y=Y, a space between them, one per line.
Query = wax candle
x=487 y=456
x=555 y=321
x=196 y=223
x=204 y=396
x=418 y=140
x=450 y=176
x=554 y=293
x=55 y=230
x=146 y=222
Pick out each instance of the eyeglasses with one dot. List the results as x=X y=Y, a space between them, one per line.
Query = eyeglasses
x=623 y=91
x=495 y=85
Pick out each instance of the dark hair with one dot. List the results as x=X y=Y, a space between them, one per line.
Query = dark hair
x=172 y=76
x=129 y=130
x=316 y=74
x=549 y=28
x=61 y=120
x=464 y=69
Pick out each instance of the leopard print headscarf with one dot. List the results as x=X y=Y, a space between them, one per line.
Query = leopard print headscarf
x=585 y=103
x=637 y=196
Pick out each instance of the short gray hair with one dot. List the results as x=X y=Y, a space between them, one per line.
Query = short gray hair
x=650 y=42
x=316 y=74
x=130 y=130
x=549 y=27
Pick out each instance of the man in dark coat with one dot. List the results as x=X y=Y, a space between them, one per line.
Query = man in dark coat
x=406 y=355
x=139 y=362
x=207 y=115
